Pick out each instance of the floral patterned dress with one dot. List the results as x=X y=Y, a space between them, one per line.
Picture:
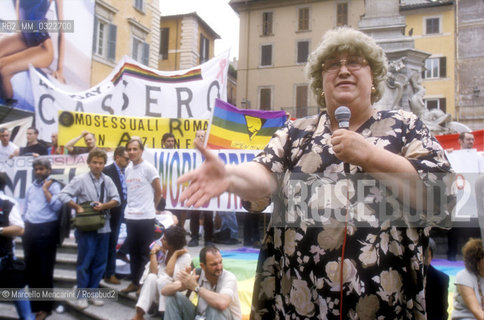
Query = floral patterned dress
x=299 y=267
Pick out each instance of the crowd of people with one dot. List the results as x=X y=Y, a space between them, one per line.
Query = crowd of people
x=127 y=190
x=336 y=268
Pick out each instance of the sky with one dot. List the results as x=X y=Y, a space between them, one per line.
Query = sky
x=217 y=14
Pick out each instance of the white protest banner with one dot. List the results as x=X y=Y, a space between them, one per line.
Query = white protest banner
x=18 y=130
x=20 y=173
x=467 y=164
x=170 y=163
x=138 y=91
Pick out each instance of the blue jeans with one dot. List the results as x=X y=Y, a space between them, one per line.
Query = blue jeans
x=178 y=307
x=23 y=309
x=229 y=221
x=92 y=256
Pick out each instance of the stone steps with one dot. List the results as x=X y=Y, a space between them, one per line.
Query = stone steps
x=65 y=277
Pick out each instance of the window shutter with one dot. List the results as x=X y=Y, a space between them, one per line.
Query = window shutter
x=301 y=101
x=94 y=35
x=146 y=54
x=165 y=33
x=134 y=52
x=443 y=67
x=303 y=19
x=200 y=50
x=302 y=51
x=207 y=49
x=112 y=42
x=265 y=99
x=342 y=14
x=266 y=55
x=442 y=104
x=267 y=23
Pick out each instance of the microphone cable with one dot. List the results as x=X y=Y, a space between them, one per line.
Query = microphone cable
x=344 y=247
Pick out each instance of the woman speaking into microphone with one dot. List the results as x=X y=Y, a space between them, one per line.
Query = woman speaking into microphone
x=352 y=265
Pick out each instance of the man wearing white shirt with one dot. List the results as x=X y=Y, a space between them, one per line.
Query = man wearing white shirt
x=466 y=141
x=8 y=149
x=470 y=163
x=144 y=194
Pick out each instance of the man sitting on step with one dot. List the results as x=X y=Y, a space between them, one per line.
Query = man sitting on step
x=216 y=288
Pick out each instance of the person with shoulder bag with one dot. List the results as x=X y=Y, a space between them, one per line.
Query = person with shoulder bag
x=96 y=193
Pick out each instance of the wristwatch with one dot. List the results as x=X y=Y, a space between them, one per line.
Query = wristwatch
x=1 y=230
x=197 y=289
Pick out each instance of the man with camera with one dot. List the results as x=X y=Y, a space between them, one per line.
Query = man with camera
x=95 y=193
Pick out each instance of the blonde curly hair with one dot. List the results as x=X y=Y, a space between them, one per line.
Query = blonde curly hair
x=345 y=39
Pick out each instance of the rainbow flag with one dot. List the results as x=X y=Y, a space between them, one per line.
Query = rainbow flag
x=233 y=128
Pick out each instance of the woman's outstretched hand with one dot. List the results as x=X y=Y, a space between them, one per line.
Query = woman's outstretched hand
x=205 y=182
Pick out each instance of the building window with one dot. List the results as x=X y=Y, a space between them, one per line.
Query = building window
x=104 y=39
x=164 y=39
x=138 y=4
x=141 y=51
x=204 y=49
x=301 y=101
x=302 y=51
x=342 y=14
x=303 y=19
x=438 y=103
x=267 y=23
x=266 y=55
x=432 y=25
x=265 y=98
x=435 y=68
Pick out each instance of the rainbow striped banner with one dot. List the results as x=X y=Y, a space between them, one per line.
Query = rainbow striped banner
x=233 y=128
x=137 y=71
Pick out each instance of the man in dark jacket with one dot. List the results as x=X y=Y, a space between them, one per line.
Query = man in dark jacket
x=436 y=288
x=116 y=172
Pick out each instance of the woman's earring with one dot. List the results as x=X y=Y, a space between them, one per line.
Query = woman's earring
x=322 y=94
x=373 y=89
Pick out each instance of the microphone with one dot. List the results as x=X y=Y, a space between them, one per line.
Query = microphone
x=343 y=115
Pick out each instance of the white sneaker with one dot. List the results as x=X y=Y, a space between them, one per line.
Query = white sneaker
x=97 y=302
x=82 y=303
